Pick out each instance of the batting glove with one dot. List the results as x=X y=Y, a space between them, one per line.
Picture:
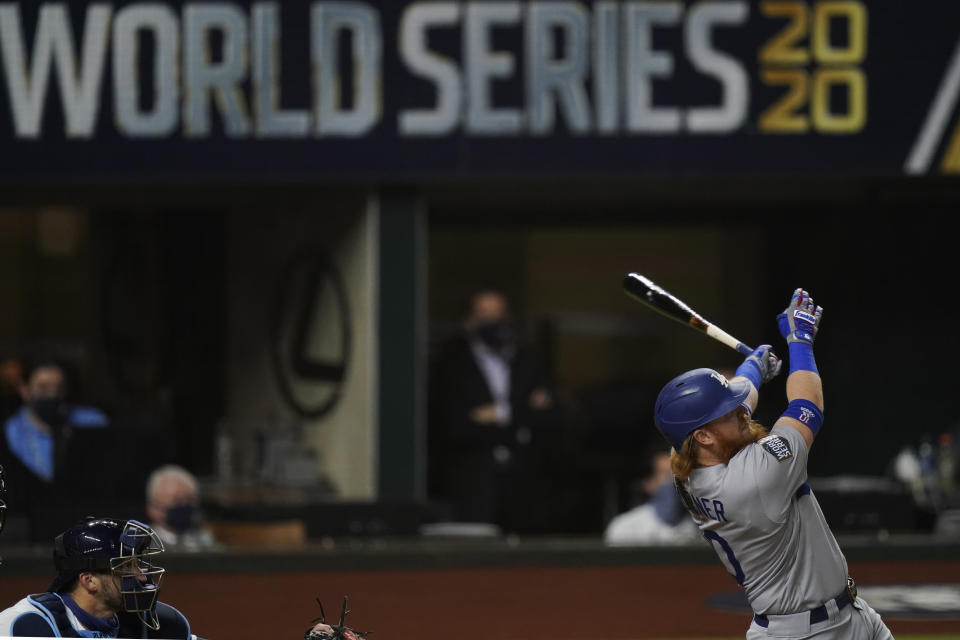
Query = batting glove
x=761 y=366
x=800 y=321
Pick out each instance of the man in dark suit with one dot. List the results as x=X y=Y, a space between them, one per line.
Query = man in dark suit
x=493 y=412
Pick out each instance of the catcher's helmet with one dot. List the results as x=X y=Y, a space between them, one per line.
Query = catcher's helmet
x=693 y=399
x=120 y=547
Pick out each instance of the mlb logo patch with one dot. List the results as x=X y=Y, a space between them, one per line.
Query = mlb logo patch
x=719 y=378
x=777 y=447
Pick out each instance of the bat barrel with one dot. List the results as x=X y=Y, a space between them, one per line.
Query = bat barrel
x=646 y=291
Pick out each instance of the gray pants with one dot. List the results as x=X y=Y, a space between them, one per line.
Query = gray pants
x=856 y=622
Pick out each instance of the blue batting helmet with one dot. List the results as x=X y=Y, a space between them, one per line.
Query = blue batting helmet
x=119 y=547
x=693 y=399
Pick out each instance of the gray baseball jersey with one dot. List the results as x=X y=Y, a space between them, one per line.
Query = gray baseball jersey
x=762 y=519
x=764 y=522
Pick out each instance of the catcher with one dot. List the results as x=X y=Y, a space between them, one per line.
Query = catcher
x=747 y=488
x=106 y=587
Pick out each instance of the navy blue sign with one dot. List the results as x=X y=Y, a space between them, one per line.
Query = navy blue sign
x=333 y=90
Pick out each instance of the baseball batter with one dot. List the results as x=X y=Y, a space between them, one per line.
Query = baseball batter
x=746 y=488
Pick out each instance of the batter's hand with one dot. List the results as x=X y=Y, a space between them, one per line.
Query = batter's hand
x=766 y=361
x=800 y=321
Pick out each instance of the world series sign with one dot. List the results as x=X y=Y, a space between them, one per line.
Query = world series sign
x=439 y=89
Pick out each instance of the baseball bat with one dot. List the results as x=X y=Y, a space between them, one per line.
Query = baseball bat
x=646 y=291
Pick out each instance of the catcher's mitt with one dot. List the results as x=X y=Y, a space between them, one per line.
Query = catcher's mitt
x=320 y=630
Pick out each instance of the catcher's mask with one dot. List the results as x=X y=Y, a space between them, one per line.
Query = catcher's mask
x=121 y=547
x=693 y=399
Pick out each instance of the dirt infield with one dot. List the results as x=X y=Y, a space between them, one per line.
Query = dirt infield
x=555 y=603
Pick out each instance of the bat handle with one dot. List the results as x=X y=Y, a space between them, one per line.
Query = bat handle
x=744 y=349
x=722 y=336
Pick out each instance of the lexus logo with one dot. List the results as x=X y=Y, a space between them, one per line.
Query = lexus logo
x=311 y=336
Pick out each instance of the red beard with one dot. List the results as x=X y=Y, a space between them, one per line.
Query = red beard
x=729 y=447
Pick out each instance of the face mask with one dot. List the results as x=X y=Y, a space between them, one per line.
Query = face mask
x=52 y=410
x=182 y=517
x=495 y=335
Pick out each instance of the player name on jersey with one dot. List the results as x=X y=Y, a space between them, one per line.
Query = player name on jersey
x=710 y=508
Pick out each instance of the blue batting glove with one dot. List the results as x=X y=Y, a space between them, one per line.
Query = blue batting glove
x=762 y=365
x=800 y=321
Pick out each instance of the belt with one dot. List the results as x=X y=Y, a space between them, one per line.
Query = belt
x=820 y=613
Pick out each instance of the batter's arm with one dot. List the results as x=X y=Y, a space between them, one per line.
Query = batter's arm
x=753 y=399
x=803 y=385
x=799 y=324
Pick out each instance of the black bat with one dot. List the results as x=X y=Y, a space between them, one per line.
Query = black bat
x=646 y=291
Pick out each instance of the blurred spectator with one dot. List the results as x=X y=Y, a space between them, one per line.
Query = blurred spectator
x=35 y=434
x=659 y=517
x=173 y=509
x=928 y=468
x=47 y=448
x=492 y=421
x=948 y=465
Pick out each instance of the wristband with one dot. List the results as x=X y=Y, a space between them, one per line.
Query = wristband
x=801 y=357
x=751 y=371
x=806 y=412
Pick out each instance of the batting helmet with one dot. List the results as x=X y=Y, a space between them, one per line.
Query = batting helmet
x=693 y=399
x=119 y=547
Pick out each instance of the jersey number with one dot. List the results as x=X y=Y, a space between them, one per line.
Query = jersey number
x=732 y=564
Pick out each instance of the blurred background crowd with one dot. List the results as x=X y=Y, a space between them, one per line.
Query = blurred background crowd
x=527 y=377
x=245 y=311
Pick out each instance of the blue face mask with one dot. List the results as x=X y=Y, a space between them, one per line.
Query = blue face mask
x=666 y=504
x=183 y=517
